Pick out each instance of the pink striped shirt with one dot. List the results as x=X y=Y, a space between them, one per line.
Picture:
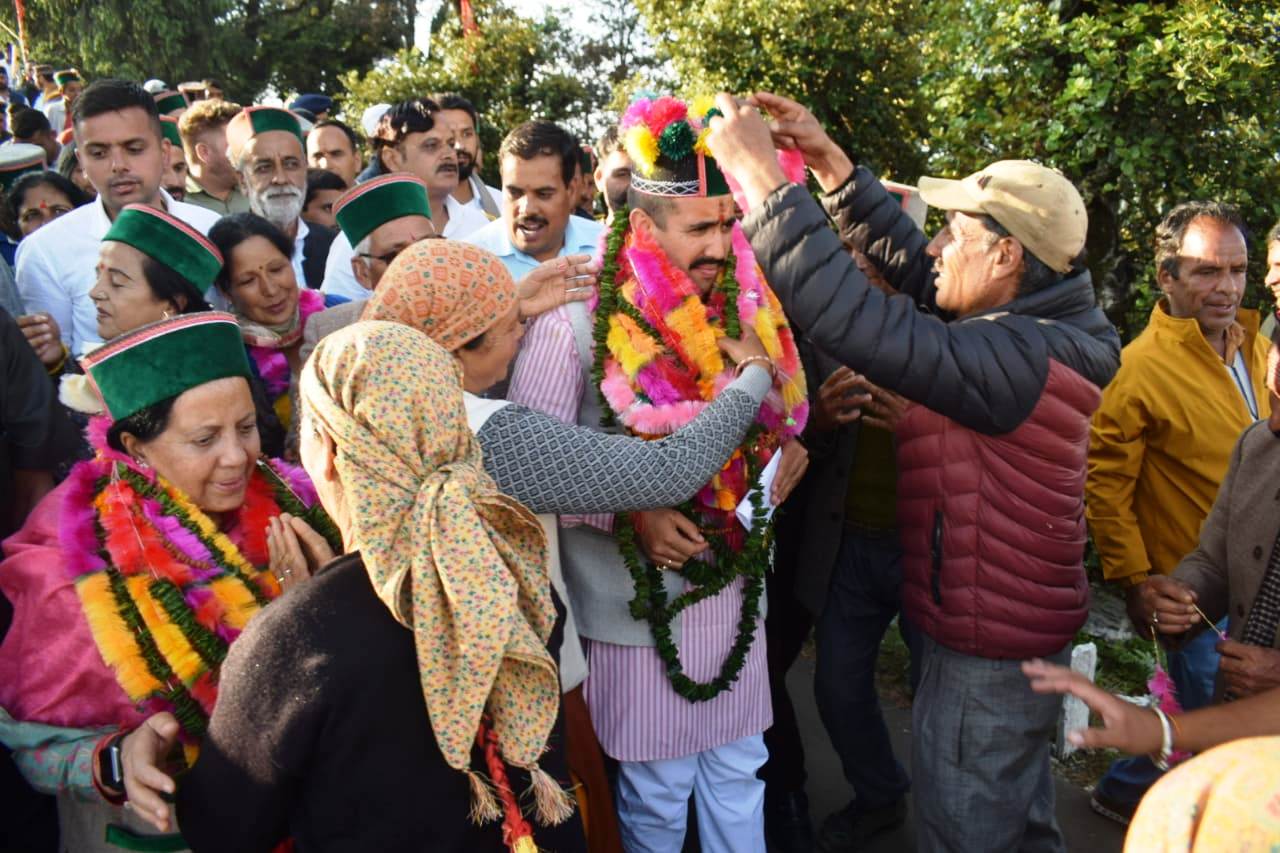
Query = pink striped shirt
x=637 y=715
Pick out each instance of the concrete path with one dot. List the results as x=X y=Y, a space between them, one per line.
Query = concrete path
x=828 y=791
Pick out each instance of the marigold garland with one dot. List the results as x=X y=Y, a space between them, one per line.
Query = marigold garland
x=165 y=591
x=656 y=365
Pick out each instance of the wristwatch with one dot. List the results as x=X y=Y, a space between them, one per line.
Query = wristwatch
x=110 y=765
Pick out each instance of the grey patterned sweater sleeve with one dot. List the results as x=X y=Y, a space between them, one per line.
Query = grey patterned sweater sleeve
x=554 y=467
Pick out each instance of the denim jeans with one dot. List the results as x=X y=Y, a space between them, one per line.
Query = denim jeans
x=865 y=595
x=1193 y=669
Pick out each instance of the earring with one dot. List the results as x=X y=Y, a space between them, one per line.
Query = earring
x=141 y=463
x=165 y=315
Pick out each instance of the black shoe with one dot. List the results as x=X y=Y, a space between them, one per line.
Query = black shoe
x=1111 y=809
x=851 y=828
x=786 y=822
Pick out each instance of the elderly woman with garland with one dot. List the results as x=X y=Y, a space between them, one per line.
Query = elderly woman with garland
x=132 y=579
x=259 y=281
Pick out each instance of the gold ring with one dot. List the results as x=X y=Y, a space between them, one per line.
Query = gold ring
x=279 y=578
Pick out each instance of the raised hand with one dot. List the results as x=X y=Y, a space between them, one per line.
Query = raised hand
x=742 y=348
x=44 y=336
x=553 y=283
x=793 y=126
x=840 y=400
x=1125 y=726
x=742 y=145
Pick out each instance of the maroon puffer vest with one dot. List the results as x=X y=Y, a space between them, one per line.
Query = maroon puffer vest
x=993 y=528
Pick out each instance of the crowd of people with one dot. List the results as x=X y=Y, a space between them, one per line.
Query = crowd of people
x=542 y=488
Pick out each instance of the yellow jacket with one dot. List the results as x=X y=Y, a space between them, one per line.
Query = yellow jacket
x=1160 y=443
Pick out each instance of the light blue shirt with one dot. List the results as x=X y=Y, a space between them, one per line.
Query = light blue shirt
x=581 y=237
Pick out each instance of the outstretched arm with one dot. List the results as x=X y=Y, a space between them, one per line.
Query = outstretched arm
x=555 y=467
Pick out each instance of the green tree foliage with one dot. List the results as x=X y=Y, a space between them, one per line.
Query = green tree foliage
x=1143 y=105
x=248 y=45
x=856 y=65
x=514 y=69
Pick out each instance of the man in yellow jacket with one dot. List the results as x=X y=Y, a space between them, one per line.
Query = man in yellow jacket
x=1162 y=439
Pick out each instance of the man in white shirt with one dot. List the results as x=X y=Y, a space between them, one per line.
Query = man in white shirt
x=461 y=115
x=265 y=146
x=119 y=141
x=412 y=139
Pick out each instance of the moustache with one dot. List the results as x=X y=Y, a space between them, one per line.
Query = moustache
x=532 y=221
x=704 y=261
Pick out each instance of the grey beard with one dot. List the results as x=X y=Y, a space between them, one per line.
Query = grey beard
x=281 y=208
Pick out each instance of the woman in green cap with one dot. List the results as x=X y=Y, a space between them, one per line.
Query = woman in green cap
x=151 y=266
x=130 y=580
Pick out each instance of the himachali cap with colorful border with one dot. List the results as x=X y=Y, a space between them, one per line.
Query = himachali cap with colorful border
x=161 y=360
x=666 y=139
x=169 y=127
x=367 y=206
x=170 y=241
x=167 y=102
x=18 y=158
x=69 y=75
x=251 y=121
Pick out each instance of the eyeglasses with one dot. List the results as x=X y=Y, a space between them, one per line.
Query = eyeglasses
x=388 y=257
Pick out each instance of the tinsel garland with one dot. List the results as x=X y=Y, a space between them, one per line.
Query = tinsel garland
x=164 y=590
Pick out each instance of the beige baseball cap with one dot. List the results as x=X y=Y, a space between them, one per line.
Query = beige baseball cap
x=1034 y=203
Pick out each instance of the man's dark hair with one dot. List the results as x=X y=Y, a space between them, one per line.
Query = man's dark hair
x=319 y=180
x=540 y=138
x=110 y=95
x=1172 y=230
x=1036 y=274
x=230 y=231
x=25 y=122
x=657 y=206
x=413 y=116
x=454 y=101
x=608 y=143
x=348 y=132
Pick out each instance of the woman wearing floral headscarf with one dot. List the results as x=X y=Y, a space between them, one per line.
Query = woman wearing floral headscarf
x=463 y=298
x=409 y=684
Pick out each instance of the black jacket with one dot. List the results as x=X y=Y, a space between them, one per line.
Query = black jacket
x=985 y=371
x=320 y=733
x=315 y=253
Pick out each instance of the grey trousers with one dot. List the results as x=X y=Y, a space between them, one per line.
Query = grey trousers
x=980 y=756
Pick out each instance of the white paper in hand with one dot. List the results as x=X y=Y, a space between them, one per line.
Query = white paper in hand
x=765 y=484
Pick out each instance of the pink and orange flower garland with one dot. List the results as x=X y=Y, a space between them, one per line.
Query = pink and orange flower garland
x=657 y=366
x=164 y=591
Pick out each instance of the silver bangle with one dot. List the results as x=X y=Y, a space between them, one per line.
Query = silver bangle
x=1161 y=759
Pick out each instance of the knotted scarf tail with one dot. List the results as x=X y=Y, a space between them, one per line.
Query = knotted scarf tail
x=552 y=803
x=484 y=804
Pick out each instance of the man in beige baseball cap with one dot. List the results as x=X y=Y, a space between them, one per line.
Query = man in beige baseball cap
x=996 y=337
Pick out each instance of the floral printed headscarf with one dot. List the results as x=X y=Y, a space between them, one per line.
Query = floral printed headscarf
x=460 y=564
x=453 y=292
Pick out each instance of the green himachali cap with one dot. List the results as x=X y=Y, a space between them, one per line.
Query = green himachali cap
x=18 y=158
x=163 y=359
x=169 y=127
x=170 y=241
x=167 y=102
x=251 y=121
x=366 y=206
x=62 y=78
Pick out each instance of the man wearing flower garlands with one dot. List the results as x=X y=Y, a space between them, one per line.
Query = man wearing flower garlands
x=671 y=599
